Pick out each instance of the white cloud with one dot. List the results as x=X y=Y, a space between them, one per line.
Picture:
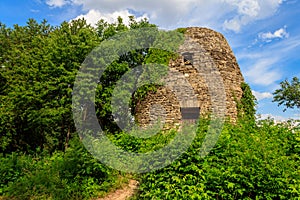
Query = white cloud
x=34 y=11
x=248 y=11
x=57 y=3
x=162 y=12
x=277 y=118
x=263 y=72
x=245 y=7
x=265 y=65
x=280 y=33
x=233 y=24
x=262 y=95
x=93 y=16
x=175 y=13
x=236 y=23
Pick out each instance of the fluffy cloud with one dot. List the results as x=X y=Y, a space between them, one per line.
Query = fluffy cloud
x=262 y=95
x=245 y=10
x=93 y=16
x=265 y=65
x=176 y=13
x=280 y=33
x=248 y=11
x=57 y=3
x=161 y=12
x=277 y=118
x=263 y=72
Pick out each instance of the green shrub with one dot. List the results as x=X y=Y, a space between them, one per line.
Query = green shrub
x=248 y=162
x=74 y=174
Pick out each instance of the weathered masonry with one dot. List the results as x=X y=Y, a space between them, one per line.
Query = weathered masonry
x=216 y=58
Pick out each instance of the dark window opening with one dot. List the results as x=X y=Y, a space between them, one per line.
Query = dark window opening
x=188 y=57
x=190 y=113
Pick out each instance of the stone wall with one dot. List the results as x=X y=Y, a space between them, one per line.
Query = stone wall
x=196 y=79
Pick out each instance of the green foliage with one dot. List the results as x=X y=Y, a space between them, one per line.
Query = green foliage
x=140 y=145
x=158 y=50
x=181 y=30
x=106 y=30
x=38 y=65
x=74 y=174
x=247 y=163
x=246 y=106
x=288 y=94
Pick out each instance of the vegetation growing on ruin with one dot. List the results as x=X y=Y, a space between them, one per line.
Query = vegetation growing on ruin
x=42 y=157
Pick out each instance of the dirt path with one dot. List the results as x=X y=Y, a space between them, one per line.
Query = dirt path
x=124 y=193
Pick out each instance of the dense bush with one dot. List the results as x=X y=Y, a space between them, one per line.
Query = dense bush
x=74 y=174
x=248 y=162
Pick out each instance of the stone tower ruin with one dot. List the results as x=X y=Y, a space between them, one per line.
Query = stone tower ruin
x=167 y=105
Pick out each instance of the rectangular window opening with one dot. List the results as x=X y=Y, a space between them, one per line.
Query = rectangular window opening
x=190 y=113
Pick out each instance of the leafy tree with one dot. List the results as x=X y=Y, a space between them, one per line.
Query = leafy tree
x=117 y=68
x=38 y=66
x=19 y=46
x=246 y=106
x=288 y=94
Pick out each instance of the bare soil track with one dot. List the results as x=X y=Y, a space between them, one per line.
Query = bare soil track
x=123 y=193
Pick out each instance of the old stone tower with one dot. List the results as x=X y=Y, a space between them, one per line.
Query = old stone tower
x=215 y=59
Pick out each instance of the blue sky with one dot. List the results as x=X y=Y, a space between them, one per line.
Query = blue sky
x=264 y=34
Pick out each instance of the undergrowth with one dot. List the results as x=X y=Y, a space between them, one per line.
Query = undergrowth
x=248 y=162
x=73 y=174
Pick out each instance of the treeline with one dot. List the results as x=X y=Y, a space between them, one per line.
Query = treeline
x=41 y=156
x=38 y=65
